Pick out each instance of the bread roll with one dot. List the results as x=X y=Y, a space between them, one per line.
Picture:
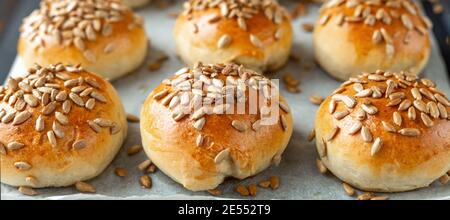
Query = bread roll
x=59 y=125
x=385 y=132
x=103 y=36
x=351 y=37
x=202 y=125
x=257 y=34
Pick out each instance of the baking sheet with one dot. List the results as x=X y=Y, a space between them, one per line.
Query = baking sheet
x=298 y=174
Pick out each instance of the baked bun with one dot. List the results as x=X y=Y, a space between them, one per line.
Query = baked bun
x=136 y=3
x=104 y=36
x=201 y=126
x=257 y=34
x=354 y=36
x=385 y=132
x=59 y=125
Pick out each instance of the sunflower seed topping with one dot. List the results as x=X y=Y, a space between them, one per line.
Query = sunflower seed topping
x=376 y=146
x=412 y=132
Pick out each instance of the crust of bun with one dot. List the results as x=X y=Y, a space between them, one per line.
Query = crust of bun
x=202 y=45
x=128 y=50
x=346 y=50
x=63 y=165
x=173 y=148
x=403 y=163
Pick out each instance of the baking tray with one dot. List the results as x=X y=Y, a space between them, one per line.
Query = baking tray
x=299 y=177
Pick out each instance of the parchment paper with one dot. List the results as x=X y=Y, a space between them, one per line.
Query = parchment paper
x=299 y=176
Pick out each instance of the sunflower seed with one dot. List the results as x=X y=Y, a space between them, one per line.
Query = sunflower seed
x=376 y=146
x=315 y=99
x=433 y=109
x=404 y=105
x=199 y=124
x=394 y=102
x=369 y=108
x=178 y=116
x=350 y=191
x=199 y=140
x=355 y=127
x=222 y=155
x=58 y=130
x=406 y=21
x=412 y=132
x=66 y=106
x=94 y=126
x=390 y=87
x=76 y=99
x=224 y=41
x=332 y=106
x=420 y=105
x=322 y=168
x=427 y=94
x=322 y=148
x=84 y=187
x=366 y=134
x=51 y=138
x=102 y=122
x=377 y=37
x=31 y=100
x=31 y=180
x=90 y=56
x=145 y=181
x=397 y=95
x=21 y=165
x=134 y=149
x=92 y=82
x=115 y=128
x=341 y=114
x=21 y=117
x=358 y=87
x=332 y=133
x=256 y=41
x=283 y=122
x=90 y=104
x=238 y=125
x=426 y=120
x=79 y=144
x=144 y=165
x=440 y=98
x=349 y=101
x=161 y=94
x=397 y=118
x=27 y=191
x=8 y=117
x=48 y=109
x=442 y=111
x=376 y=77
x=15 y=146
x=388 y=127
x=99 y=97
x=199 y=113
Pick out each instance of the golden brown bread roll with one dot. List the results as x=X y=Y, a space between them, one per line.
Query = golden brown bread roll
x=257 y=34
x=385 y=132
x=59 y=125
x=103 y=36
x=354 y=36
x=197 y=138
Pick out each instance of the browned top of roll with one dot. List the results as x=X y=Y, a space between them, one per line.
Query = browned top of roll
x=398 y=25
x=56 y=112
x=92 y=27
x=403 y=119
x=247 y=25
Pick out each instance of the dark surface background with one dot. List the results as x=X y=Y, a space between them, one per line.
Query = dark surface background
x=12 y=12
